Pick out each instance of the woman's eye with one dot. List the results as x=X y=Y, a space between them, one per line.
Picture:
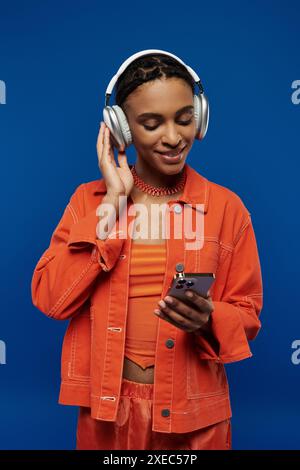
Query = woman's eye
x=149 y=128
x=182 y=123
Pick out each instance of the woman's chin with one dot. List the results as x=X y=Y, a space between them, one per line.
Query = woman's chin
x=168 y=165
x=172 y=169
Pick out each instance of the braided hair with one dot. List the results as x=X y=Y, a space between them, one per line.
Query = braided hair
x=147 y=68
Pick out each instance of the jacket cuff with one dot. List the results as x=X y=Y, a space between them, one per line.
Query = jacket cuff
x=83 y=233
x=227 y=341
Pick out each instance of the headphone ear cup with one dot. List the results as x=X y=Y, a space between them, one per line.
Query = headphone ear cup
x=201 y=114
x=116 y=121
x=197 y=114
x=123 y=125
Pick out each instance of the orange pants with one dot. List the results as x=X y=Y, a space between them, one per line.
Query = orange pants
x=132 y=429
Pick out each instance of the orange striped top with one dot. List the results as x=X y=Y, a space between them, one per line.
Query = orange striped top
x=147 y=269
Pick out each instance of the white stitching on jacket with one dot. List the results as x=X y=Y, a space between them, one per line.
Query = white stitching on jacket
x=70 y=288
x=73 y=212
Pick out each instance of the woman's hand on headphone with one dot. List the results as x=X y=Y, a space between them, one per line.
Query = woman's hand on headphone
x=118 y=180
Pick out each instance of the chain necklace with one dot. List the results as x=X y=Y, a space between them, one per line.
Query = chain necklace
x=161 y=191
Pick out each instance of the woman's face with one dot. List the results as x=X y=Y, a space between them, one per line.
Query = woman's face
x=167 y=129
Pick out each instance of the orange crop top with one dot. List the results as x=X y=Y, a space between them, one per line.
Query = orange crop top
x=146 y=274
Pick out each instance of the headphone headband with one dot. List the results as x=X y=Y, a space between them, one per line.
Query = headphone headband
x=139 y=54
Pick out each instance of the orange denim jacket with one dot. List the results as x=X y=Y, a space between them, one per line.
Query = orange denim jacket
x=84 y=279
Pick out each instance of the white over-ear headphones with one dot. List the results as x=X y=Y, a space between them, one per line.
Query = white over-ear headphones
x=115 y=118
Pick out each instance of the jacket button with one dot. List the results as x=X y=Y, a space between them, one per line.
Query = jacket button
x=177 y=209
x=179 y=267
x=165 y=413
x=122 y=256
x=170 y=343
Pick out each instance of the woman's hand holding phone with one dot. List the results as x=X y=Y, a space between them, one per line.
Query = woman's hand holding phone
x=192 y=317
x=118 y=179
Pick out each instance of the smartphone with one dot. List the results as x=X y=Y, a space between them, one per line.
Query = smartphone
x=198 y=282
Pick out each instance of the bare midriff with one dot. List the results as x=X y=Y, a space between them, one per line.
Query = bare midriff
x=134 y=372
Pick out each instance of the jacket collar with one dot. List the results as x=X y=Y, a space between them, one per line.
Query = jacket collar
x=196 y=189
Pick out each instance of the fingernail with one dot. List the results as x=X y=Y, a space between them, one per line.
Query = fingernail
x=189 y=294
x=169 y=299
x=162 y=304
x=157 y=312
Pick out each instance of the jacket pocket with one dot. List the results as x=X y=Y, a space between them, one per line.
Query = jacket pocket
x=76 y=348
x=205 y=378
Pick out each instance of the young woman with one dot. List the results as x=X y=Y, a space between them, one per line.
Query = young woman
x=147 y=369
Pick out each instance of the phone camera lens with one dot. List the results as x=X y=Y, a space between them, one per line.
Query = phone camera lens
x=181 y=281
x=189 y=283
x=179 y=286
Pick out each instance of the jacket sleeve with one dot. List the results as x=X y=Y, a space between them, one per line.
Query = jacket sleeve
x=65 y=274
x=235 y=318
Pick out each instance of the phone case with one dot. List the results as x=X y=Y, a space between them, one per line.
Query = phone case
x=198 y=282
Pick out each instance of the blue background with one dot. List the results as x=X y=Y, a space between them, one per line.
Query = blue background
x=56 y=60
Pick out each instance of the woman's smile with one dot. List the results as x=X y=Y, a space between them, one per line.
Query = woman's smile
x=170 y=159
